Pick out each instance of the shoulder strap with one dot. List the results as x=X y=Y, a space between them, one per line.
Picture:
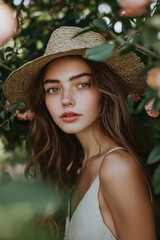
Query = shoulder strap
x=114 y=149
x=150 y=191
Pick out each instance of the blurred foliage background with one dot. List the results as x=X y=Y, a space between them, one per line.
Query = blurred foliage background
x=137 y=31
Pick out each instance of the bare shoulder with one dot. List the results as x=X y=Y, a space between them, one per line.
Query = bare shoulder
x=125 y=191
x=123 y=182
x=121 y=166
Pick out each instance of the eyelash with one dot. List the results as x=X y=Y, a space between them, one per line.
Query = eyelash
x=79 y=85
x=84 y=83
x=50 y=90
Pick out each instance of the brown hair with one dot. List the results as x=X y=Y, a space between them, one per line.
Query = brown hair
x=57 y=156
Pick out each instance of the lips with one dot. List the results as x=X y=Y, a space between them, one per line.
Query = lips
x=70 y=116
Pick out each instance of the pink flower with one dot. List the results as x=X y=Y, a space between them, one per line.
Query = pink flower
x=133 y=3
x=153 y=78
x=131 y=12
x=24 y=115
x=8 y=23
x=150 y=111
x=131 y=8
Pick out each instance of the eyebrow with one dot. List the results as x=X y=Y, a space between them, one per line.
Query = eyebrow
x=71 y=78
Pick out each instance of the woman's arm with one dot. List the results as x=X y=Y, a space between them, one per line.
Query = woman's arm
x=125 y=190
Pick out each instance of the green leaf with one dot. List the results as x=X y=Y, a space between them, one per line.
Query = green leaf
x=5 y=125
x=150 y=92
x=156 y=180
x=149 y=95
x=3 y=114
x=100 y=24
x=84 y=30
x=154 y=155
x=156 y=104
x=101 y=52
x=127 y=48
x=12 y=107
x=8 y=49
x=20 y=105
x=142 y=104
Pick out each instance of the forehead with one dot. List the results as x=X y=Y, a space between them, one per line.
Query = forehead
x=66 y=65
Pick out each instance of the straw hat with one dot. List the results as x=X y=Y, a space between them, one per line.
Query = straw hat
x=62 y=43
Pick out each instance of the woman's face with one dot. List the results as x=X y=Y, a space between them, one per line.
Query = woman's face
x=70 y=96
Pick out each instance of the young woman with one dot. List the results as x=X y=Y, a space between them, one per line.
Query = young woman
x=81 y=136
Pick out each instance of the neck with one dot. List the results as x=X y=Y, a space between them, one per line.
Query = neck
x=94 y=142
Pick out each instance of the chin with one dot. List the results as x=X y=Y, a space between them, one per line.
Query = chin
x=71 y=130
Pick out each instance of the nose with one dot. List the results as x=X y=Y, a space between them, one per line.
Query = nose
x=68 y=98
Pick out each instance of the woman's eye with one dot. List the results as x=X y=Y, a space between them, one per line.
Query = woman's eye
x=83 y=85
x=53 y=90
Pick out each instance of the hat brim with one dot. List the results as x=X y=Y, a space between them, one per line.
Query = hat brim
x=19 y=82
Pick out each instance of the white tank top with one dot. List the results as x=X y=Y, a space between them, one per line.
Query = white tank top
x=86 y=222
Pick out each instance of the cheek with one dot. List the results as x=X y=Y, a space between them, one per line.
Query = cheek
x=51 y=105
x=96 y=107
x=94 y=100
x=92 y=103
